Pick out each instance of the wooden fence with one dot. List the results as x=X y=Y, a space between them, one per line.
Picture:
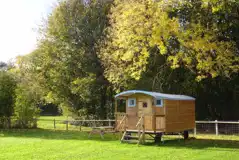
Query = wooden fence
x=82 y=123
x=202 y=127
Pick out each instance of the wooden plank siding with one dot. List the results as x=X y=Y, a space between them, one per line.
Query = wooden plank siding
x=144 y=110
x=148 y=122
x=160 y=123
x=180 y=115
x=159 y=118
x=131 y=122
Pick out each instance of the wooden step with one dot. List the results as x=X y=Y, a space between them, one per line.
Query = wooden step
x=131 y=137
x=130 y=141
x=123 y=136
x=147 y=132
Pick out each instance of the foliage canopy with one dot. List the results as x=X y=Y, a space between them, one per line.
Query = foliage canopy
x=89 y=51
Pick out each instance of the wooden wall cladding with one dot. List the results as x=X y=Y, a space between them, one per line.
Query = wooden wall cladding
x=141 y=99
x=180 y=115
x=160 y=123
x=131 y=122
x=170 y=102
x=159 y=110
x=148 y=122
x=139 y=109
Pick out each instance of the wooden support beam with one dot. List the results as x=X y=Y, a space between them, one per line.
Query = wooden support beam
x=116 y=107
x=143 y=126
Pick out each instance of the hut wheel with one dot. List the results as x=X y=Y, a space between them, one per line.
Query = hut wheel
x=185 y=135
x=157 y=138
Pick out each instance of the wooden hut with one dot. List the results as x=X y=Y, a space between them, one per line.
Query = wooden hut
x=155 y=114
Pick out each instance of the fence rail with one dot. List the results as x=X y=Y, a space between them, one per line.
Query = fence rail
x=219 y=122
x=217 y=127
x=69 y=124
x=201 y=127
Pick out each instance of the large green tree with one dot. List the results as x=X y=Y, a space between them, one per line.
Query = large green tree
x=28 y=92
x=7 y=93
x=191 y=34
x=68 y=62
x=184 y=47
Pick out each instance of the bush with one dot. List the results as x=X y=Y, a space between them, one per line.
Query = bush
x=26 y=110
x=7 y=97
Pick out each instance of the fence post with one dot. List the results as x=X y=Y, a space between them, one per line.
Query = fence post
x=216 y=127
x=67 y=125
x=54 y=122
x=195 y=130
x=35 y=123
x=109 y=122
x=80 y=126
x=9 y=123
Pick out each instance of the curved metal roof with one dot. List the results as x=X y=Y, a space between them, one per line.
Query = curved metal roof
x=156 y=95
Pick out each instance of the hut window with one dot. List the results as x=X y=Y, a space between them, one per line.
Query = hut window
x=145 y=105
x=131 y=102
x=159 y=102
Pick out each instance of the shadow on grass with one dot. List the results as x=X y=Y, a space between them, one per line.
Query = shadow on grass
x=77 y=135
x=199 y=143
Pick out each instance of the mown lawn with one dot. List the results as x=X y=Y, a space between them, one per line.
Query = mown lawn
x=44 y=144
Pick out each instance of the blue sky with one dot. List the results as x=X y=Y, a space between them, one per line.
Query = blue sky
x=18 y=23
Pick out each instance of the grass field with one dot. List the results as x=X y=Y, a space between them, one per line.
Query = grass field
x=44 y=144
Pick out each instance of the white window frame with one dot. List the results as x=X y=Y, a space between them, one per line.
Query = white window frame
x=130 y=99
x=161 y=105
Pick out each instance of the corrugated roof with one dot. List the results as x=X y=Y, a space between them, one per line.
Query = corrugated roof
x=156 y=95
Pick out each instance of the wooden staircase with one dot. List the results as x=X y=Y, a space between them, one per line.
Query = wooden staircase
x=140 y=133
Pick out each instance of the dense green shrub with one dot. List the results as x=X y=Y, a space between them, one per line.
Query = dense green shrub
x=7 y=95
x=25 y=110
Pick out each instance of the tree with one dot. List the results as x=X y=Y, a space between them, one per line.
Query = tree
x=7 y=97
x=28 y=92
x=179 y=30
x=167 y=45
x=7 y=93
x=71 y=70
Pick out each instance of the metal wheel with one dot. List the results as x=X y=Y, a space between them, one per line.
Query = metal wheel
x=158 y=138
x=185 y=135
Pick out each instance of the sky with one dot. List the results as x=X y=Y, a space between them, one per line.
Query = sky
x=19 y=20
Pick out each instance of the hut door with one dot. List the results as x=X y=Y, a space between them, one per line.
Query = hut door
x=144 y=108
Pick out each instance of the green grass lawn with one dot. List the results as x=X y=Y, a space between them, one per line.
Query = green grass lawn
x=44 y=144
